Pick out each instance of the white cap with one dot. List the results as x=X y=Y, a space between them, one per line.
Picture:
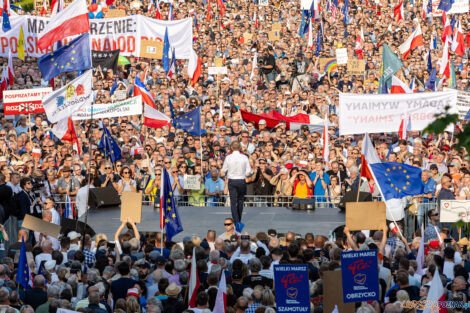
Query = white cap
x=73 y=235
x=49 y=265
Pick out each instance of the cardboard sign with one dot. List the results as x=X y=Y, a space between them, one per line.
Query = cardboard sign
x=191 y=182
x=36 y=224
x=291 y=286
x=151 y=49
x=455 y=210
x=217 y=70
x=276 y=26
x=365 y=215
x=131 y=206
x=356 y=67
x=342 y=56
x=360 y=276
x=115 y=13
x=323 y=61
x=218 y=62
x=274 y=35
x=333 y=293
x=120 y=95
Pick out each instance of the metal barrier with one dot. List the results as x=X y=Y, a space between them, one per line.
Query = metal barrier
x=414 y=215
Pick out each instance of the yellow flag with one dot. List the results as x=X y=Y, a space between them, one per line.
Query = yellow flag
x=20 y=45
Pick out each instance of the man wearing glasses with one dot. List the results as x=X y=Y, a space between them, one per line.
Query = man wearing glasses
x=236 y=168
x=109 y=179
x=229 y=230
x=433 y=229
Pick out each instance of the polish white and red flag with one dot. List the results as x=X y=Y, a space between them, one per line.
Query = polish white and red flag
x=193 y=285
x=458 y=41
x=436 y=296
x=447 y=29
x=221 y=298
x=154 y=118
x=444 y=64
x=326 y=144
x=399 y=12
x=398 y=86
x=73 y=20
x=414 y=41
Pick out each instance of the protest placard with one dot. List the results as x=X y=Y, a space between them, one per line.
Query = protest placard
x=24 y=101
x=120 y=95
x=247 y=37
x=333 y=293
x=360 y=276
x=356 y=67
x=292 y=288
x=131 y=106
x=217 y=70
x=365 y=215
x=342 y=56
x=455 y=210
x=382 y=113
x=115 y=13
x=276 y=26
x=131 y=206
x=323 y=61
x=151 y=49
x=463 y=102
x=192 y=182
x=36 y=224
x=274 y=35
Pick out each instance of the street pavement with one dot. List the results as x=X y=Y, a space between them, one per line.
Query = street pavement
x=197 y=220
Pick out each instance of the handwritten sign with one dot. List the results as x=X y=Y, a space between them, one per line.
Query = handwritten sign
x=463 y=102
x=455 y=210
x=274 y=35
x=191 y=182
x=360 y=274
x=291 y=285
x=356 y=67
x=218 y=62
x=247 y=37
x=342 y=56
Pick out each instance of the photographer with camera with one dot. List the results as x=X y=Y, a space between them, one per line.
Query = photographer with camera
x=300 y=67
x=268 y=64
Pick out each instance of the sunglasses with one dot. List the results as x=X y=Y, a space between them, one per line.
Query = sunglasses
x=435 y=214
x=107 y=168
x=228 y=224
x=167 y=162
x=125 y=172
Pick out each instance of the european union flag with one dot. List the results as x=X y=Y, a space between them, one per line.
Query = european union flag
x=346 y=11
x=397 y=180
x=22 y=276
x=173 y=224
x=445 y=5
x=109 y=146
x=166 y=52
x=6 y=21
x=172 y=109
x=190 y=122
x=114 y=86
x=431 y=82
x=73 y=56
x=467 y=116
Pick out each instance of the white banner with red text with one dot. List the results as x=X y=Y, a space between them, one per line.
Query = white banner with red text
x=362 y=113
x=124 y=33
x=25 y=101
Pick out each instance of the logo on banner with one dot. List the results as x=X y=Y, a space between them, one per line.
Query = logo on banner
x=359 y=265
x=26 y=107
x=289 y=280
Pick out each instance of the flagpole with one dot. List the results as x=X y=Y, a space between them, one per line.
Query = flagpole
x=359 y=182
x=89 y=177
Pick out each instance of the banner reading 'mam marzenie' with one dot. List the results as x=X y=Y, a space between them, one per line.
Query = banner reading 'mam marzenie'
x=360 y=113
x=107 y=34
x=132 y=106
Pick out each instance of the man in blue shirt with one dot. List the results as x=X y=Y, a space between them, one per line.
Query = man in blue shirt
x=320 y=180
x=214 y=188
x=427 y=196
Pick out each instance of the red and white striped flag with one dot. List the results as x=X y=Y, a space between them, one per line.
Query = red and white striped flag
x=447 y=29
x=436 y=296
x=326 y=141
x=221 y=298
x=444 y=64
x=65 y=131
x=405 y=128
x=193 y=285
x=399 y=86
x=458 y=41
x=399 y=12
x=414 y=41
x=43 y=8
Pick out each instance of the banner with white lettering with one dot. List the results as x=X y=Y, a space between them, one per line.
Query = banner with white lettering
x=132 y=106
x=25 y=101
x=124 y=33
x=361 y=113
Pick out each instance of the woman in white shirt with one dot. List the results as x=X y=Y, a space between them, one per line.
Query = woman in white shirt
x=126 y=183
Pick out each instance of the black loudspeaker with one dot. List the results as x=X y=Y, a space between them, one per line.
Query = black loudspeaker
x=351 y=196
x=106 y=197
x=303 y=204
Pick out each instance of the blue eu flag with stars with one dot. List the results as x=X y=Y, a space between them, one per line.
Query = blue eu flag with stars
x=445 y=5
x=166 y=52
x=173 y=224
x=6 y=21
x=190 y=122
x=73 y=56
x=397 y=180
x=22 y=276
x=109 y=146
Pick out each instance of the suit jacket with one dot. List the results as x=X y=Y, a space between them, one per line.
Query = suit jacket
x=35 y=297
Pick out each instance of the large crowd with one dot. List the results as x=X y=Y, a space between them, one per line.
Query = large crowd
x=135 y=273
